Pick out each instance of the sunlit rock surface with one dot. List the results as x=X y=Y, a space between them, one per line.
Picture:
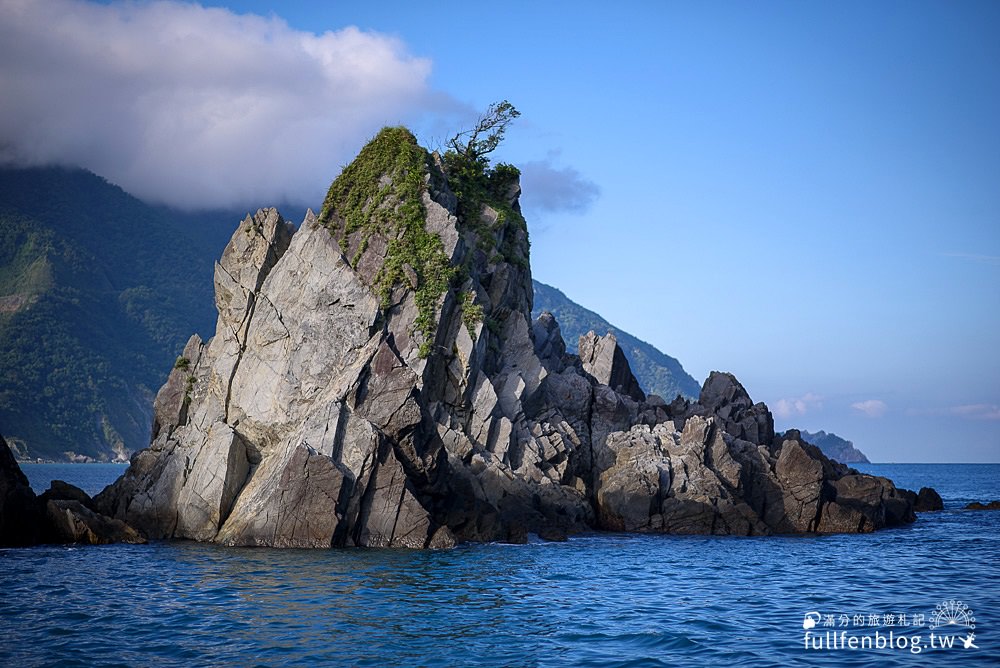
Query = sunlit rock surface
x=335 y=407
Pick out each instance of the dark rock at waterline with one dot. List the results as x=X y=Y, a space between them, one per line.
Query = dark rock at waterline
x=22 y=518
x=59 y=490
x=976 y=505
x=73 y=522
x=63 y=514
x=928 y=500
x=553 y=535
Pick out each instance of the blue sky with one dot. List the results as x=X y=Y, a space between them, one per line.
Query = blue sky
x=805 y=194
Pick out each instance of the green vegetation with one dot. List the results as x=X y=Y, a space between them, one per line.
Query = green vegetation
x=25 y=269
x=472 y=313
x=380 y=196
x=381 y=193
x=182 y=363
x=476 y=182
x=99 y=293
x=189 y=388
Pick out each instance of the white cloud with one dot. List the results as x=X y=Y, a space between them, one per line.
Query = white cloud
x=787 y=408
x=982 y=411
x=976 y=411
x=873 y=408
x=548 y=188
x=197 y=106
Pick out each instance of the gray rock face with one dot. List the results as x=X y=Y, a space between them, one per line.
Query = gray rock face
x=604 y=360
x=703 y=479
x=314 y=418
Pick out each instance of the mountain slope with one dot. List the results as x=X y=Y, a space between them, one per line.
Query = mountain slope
x=657 y=373
x=836 y=447
x=98 y=294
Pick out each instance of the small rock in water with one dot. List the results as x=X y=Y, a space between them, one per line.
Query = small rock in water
x=928 y=500
x=976 y=505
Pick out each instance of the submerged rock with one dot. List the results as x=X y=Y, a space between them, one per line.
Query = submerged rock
x=375 y=380
x=976 y=505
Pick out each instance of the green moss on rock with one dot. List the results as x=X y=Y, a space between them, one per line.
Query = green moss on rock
x=472 y=313
x=381 y=193
x=477 y=184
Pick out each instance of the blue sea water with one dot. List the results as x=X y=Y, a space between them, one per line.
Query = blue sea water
x=596 y=600
x=91 y=478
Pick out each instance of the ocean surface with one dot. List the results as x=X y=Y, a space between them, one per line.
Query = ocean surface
x=595 y=600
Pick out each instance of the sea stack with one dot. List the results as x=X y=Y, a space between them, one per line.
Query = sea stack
x=375 y=379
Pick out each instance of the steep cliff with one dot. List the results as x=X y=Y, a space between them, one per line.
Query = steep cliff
x=375 y=379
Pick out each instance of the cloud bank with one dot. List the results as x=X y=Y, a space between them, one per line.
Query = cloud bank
x=988 y=412
x=551 y=189
x=196 y=107
x=873 y=408
x=976 y=411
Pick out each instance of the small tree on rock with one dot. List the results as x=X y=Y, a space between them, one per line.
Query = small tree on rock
x=467 y=164
x=475 y=144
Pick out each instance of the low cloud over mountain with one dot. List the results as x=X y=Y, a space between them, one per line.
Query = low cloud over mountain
x=195 y=106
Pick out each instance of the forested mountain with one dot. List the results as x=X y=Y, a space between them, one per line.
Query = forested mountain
x=835 y=447
x=98 y=294
x=657 y=372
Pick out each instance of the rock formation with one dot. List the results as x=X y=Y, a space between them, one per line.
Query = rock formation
x=926 y=500
x=657 y=372
x=976 y=505
x=375 y=379
x=21 y=516
x=63 y=514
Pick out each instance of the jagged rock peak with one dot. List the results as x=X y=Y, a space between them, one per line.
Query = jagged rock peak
x=404 y=224
x=549 y=344
x=603 y=359
x=723 y=389
x=722 y=395
x=375 y=380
